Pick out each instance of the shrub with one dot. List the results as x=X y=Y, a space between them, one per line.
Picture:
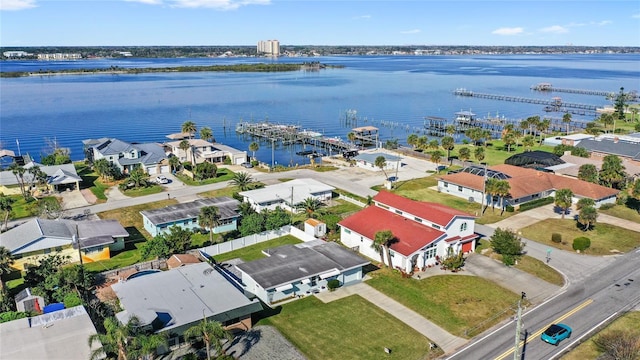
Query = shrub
x=607 y=206
x=556 y=238
x=71 y=299
x=333 y=284
x=581 y=243
x=536 y=203
x=227 y=161
x=509 y=208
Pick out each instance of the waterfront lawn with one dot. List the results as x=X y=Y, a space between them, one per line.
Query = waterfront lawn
x=453 y=302
x=419 y=189
x=605 y=239
x=223 y=174
x=496 y=153
x=92 y=181
x=254 y=252
x=348 y=328
x=629 y=322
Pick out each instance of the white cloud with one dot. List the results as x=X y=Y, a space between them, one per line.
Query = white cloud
x=508 y=31
x=556 y=29
x=636 y=16
x=211 y=4
x=12 y=5
x=412 y=31
x=362 y=17
x=603 y=22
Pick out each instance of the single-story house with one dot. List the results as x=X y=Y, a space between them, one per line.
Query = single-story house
x=287 y=194
x=423 y=231
x=36 y=238
x=367 y=160
x=57 y=176
x=525 y=185
x=185 y=215
x=572 y=165
x=574 y=139
x=300 y=269
x=203 y=150
x=627 y=147
x=150 y=156
x=172 y=301
x=60 y=335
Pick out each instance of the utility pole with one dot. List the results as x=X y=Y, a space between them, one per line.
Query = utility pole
x=273 y=146
x=292 y=208
x=516 y=351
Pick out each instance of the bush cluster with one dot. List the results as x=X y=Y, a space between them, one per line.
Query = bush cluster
x=581 y=243
x=536 y=203
x=556 y=238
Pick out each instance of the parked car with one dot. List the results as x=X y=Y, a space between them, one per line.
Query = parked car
x=161 y=179
x=247 y=165
x=556 y=333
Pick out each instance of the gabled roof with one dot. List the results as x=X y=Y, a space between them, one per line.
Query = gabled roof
x=227 y=208
x=299 y=189
x=150 y=153
x=622 y=148
x=411 y=235
x=56 y=174
x=290 y=263
x=434 y=212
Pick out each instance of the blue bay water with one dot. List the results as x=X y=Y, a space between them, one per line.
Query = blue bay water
x=394 y=93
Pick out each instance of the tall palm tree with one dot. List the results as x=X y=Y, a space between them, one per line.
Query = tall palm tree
x=242 y=180
x=566 y=118
x=491 y=189
x=174 y=162
x=380 y=162
x=147 y=345
x=206 y=134
x=448 y=144
x=19 y=171
x=412 y=140
x=310 y=206
x=6 y=261
x=377 y=245
x=211 y=332
x=503 y=188
x=384 y=239
x=6 y=205
x=478 y=154
x=450 y=129
x=542 y=127
x=563 y=199
x=351 y=137
x=185 y=146
x=253 y=147
x=209 y=218
x=117 y=339
x=189 y=127
x=464 y=153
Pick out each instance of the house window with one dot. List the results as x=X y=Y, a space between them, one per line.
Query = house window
x=459 y=188
x=446 y=184
x=398 y=212
x=347 y=231
x=383 y=206
x=361 y=239
x=430 y=251
x=463 y=227
x=435 y=226
x=417 y=219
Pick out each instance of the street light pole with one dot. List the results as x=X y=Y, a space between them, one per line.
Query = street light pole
x=516 y=351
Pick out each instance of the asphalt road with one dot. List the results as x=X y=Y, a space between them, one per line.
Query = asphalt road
x=584 y=306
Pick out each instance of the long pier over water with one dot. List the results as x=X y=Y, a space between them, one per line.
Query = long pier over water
x=291 y=134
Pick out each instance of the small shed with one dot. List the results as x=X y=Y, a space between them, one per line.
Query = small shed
x=27 y=302
x=315 y=228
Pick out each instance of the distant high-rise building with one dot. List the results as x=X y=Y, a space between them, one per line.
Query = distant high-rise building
x=269 y=47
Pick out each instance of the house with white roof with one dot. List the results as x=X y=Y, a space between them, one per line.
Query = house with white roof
x=172 y=301
x=299 y=270
x=37 y=238
x=367 y=160
x=127 y=156
x=424 y=232
x=185 y=215
x=287 y=194
x=202 y=150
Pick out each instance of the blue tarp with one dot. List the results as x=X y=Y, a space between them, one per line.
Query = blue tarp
x=53 y=307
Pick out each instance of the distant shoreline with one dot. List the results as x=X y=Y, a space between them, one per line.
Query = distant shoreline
x=262 y=67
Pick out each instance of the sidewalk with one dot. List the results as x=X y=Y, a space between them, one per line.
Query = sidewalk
x=442 y=338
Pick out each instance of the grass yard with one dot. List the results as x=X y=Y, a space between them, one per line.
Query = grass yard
x=605 y=239
x=223 y=174
x=453 y=302
x=22 y=208
x=131 y=219
x=623 y=212
x=418 y=189
x=588 y=350
x=92 y=181
x=254 y=252
x=129 y=256
x=532 y=266
x=227 y=191
x=142 y=191
x=349 y=328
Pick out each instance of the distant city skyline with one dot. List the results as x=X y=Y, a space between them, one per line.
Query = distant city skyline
x=311 y=22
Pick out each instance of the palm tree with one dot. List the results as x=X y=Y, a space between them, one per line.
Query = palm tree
x=253 y=147
x=566 y=118
x=207 y=134
x=542 y=127
x=450 y=129
x=563 y=199
x=138 y=176
x=528 y=141
x=19 y=171
x=383 y=239
x=464 y=154
x=102 y=167
x=209 y=218
x=435 y=158
x=242 y=180
x=185 y=146
x=6 y=205
x=380 y=162
x=211 y=332
x=587 y=216
x=478 y=154
x=412 y=140
x=189 y=127
x=503 y=189
x=174 y=162
x=147 y=345
x=310 y=206
x=118 y=339
x=448 y=144
x=491 y=189
x=433 y=144
x=6 y=261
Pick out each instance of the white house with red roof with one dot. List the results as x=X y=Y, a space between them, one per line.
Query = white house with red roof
x=423 y=231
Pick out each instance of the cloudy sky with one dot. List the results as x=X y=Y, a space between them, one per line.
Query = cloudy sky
x=314 y=22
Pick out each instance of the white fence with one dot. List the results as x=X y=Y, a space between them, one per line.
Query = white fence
x=239 y=243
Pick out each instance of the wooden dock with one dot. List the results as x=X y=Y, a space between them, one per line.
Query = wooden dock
x=547 y=87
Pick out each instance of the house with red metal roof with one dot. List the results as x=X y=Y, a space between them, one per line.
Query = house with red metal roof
x=424 y=232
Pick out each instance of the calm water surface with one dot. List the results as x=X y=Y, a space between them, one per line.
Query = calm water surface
x=393 y=93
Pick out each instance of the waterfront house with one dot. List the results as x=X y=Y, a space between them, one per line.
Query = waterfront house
x=301 y=269
x=525 y=185
x=58 y=177
x=367 y=160
x=287 y=194
x=626 y=147
x=37 y=238
x=201 y=150
x=185 y=215
x=126 y=156
x=172 y=301
x=423 y=232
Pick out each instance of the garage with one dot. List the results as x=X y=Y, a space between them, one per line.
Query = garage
x=467 y=247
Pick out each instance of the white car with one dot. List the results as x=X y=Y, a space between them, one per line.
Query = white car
x=161 y=179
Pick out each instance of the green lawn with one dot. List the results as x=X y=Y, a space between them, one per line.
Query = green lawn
x=223 y=174
x=227 y=191
x=254 y=252
x=129 y=256
x=496 y=153
x=142 y=191
x=605 y=239
x=92 y=181
x=454 y=302
x=130 y=216
x=349 y=328
x=630 y=322
x=21 y=208
x=623 y=212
